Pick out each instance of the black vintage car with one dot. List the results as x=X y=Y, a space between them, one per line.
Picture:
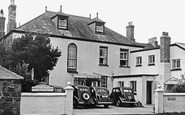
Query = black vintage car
x=123 y=96
x=82 y=96
x=100 y=96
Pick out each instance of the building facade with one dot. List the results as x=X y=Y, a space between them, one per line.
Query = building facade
x=94 y=55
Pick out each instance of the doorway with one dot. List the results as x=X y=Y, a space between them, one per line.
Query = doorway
x=148 y=92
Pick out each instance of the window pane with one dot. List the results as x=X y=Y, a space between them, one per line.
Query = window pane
x=62 y=23
x=72 y=56
x=99 y=28
x=103 y=55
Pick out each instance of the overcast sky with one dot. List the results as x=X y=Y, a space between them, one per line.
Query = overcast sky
x=150 y=17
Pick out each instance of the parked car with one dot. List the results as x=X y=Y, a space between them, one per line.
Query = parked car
x=82 y=96
x=123 y=96
x=100 y=96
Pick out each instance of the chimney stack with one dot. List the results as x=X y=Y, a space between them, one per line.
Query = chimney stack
x=165 y=42
x=11 y=16
x=153 y=41
x=2 y=24
x=130 y=31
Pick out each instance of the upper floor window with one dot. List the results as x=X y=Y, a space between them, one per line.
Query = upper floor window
x=121 y=83
x=72 y=58
x=103 y=56
x=62 y=23
x=99 y=28
x=123 y=57
x=133 y=85
x=151 y=60
x=176 y=64
x=138 y=61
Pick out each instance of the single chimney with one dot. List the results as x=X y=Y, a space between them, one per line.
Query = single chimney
x=45 y=8
x=11 y=17
x=153 y=41
x=2 y=24
x=165 y=42
x=130 y=31
x=60 y=8
x=90 y=16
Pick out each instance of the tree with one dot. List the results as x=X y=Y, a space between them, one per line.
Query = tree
x=34 y=51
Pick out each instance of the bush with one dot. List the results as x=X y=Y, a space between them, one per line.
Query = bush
x=179 y=88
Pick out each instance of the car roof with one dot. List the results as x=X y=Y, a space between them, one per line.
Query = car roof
x=123 y=88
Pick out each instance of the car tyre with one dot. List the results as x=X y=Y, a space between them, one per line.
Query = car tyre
x=85 y=96
x=118 y=103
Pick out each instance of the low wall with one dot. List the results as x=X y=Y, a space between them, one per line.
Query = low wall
x=174 y=102
x=47 y=103
x=169 y=102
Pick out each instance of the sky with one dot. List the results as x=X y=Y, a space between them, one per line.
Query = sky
x=150 y=17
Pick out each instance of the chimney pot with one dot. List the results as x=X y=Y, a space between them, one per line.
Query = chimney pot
x=97 y=14
x=60 y=8
x=45 y=8
x=1 y=13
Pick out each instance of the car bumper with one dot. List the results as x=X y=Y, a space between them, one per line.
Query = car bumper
x=104 y=103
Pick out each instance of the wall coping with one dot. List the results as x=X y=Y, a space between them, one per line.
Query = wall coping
x=42 y=94
x=175 y=94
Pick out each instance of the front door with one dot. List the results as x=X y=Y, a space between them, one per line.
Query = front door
x=149 y=92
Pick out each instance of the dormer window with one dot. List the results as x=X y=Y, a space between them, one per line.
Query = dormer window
x=62 y=23
x=60 y=20
x=99 y=28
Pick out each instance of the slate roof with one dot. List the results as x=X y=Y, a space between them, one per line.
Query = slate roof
x=7 y=74
x=77 y=28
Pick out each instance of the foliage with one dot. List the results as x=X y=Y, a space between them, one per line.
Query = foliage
x=179 y=88
x=27 y=53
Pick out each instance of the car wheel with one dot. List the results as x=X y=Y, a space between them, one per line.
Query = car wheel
x=85 y=96
x=106 y=106
x=118 y=103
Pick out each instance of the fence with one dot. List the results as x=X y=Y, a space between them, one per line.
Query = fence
x=47 y=103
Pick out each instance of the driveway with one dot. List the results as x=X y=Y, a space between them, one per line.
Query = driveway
x=113 y=110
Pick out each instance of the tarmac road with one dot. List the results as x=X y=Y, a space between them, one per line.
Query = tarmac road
x=113 y=110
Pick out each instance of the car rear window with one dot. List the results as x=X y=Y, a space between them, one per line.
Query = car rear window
x=101 y=91
x=83 y=89
x=127 y=90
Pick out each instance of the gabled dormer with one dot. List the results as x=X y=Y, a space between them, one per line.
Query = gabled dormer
x=60 y=20
x=97 y=25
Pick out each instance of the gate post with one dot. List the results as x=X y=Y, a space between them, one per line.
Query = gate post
x=159 y=100
x=69 y=99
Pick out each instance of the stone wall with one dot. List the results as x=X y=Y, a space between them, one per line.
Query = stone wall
x=10 y=93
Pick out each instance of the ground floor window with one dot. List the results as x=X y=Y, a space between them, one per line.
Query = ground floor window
x=103 y=81
x=133 y=85
x=121 y=83
x=79 y=81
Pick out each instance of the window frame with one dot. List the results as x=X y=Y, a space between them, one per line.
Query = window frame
x=121 y=83
x=151 y=60
x=139 y=61
x=133 y=85
x=60 y=26
x=123 y=51
x=103 y=57
x=72 y=69
x=97 y=28
x=176 y=64
x=104 y=79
